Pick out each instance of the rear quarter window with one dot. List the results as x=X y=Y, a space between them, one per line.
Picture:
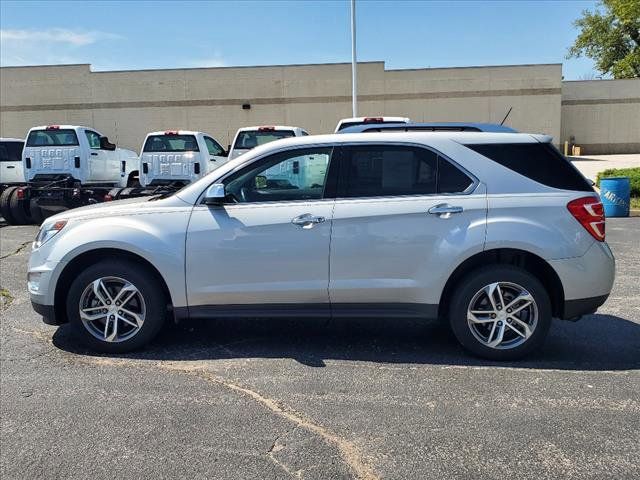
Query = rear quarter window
x=540 y=162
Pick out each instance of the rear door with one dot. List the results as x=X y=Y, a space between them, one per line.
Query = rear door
x=11 y=162
x=405 y=216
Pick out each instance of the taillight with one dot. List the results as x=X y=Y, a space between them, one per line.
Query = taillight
x=373 y=120
x=266 y=129
x=590 y=213
x=171 y=132
x=20 y=194
x=108 y=198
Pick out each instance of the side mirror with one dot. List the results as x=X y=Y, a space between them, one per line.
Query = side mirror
x=215 y=194
x=224 y=153
x=105 y=144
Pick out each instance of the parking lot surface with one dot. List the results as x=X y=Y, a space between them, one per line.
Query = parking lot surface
x=321 y=400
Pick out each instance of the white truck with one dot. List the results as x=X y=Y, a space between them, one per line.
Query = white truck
x=67 y=166
x=178 y=157
x=250 y=137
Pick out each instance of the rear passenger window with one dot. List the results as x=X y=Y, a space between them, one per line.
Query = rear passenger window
x=391 y=170
x=450 y=178
x=377 y=171
x=540 y=162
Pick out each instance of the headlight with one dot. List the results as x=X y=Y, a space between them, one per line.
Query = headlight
x=47 y=232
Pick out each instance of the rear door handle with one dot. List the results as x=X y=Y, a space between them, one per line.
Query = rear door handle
x=306 y=220
x=11 y=166
x=445 y=210
x=94 y=154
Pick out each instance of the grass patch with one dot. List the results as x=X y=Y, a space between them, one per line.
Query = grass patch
x=5 y=298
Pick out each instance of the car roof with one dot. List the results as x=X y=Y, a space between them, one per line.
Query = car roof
x=483 y=127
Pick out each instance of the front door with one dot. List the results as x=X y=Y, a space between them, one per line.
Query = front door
x=403 y=217
x=98 y=159
x=266 y=249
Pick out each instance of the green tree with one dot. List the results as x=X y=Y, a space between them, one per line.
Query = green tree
x=611 y=38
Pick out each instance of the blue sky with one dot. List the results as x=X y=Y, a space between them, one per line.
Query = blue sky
x=114 y=35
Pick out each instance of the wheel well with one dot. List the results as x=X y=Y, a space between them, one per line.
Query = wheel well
x=508 y=256
x=82 y=261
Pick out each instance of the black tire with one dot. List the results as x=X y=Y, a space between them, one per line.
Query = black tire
x=19 y=209
x=464 y=293
x=37 y=216
x=133 y=181
x=5 y=205
x=148 y=286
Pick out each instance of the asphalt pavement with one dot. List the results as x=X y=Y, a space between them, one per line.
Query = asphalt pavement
x=236 y=399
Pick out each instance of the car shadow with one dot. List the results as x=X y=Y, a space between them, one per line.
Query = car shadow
x=597 y=342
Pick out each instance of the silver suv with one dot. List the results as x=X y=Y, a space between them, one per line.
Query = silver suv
x=495 y=233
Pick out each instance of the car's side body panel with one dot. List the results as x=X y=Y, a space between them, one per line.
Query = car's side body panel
x=409 y=251
x=252 y=253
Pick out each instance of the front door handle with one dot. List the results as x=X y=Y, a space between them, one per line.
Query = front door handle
x=306 y=220
x=11 y=166
x=444 y=210
x=94 y=154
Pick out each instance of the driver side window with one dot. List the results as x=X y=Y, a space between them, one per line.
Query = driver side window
x=94 y=139
x=298 y=174
x=213 y=147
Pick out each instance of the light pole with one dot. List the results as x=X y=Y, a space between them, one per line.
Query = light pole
x=354 y=65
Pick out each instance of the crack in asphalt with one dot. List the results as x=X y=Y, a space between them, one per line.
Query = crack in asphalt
x=17 y=250
x=348 y=451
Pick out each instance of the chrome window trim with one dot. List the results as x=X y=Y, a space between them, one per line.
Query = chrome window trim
x=469 y=190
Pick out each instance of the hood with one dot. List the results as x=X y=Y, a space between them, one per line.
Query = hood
x=130 y=206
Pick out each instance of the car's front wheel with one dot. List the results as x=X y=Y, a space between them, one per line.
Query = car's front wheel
x=500 y=312
x=116 y=306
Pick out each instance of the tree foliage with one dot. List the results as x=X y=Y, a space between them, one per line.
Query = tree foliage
x=611 y=38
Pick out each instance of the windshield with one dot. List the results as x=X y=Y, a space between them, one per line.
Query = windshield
x=54 y=138
x=252 y=138
x=10 y=151
x=171 y=143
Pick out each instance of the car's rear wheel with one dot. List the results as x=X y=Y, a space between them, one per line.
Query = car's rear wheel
x=116 y=306
x=500 y=312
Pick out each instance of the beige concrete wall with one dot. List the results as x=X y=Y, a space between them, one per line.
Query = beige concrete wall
x=602 y=115
x=127 y=105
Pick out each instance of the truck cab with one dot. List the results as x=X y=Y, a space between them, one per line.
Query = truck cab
x=250 y=137
x=56 y=152
x=178 y=157
x=11 y=171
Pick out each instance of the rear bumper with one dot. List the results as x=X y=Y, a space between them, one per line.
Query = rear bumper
x=574 y=309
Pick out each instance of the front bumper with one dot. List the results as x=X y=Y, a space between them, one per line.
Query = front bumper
x=48 y=313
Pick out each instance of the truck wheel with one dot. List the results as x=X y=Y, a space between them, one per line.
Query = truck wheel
x=133 y=181
x=19 y=209
x=37 y=217
x=115 y=306
x=5 y=206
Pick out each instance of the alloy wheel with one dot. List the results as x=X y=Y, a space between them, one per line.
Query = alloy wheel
x=112 y=309
x=502 y=315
